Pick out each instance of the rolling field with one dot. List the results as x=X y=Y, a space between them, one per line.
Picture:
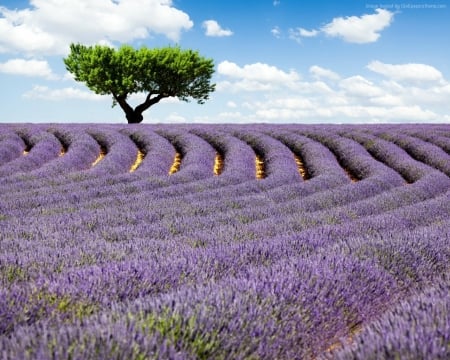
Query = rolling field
x=224 y=241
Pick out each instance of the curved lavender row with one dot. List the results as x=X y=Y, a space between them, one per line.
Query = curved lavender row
x=237 y=154
x=44 y=147
x=223 y=271
x=405 y=219
x=81 y=152
x=387 y=201
x=159 y=153
x=376 y=177
x=433 y=138
x=315 y=296
x=264 y=211
x=353 y=157
x=132 y=206
x=97 y=185
x=417 y=328
x=323 y=291
x=118 y=279
x=395 y=157
x=421 y=151
x=309 y=150
x=279 y=161
x=11 y=147
x=197 y=156
x=121 y=153
x=87 y=183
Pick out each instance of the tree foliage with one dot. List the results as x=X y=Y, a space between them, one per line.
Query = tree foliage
x=158 y=72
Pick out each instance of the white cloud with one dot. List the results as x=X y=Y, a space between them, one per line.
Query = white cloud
x=255 y=77
x=360 y=30
x=37 y=68
x=328 y=97
x=319 y=72
x=387 y=100
x=308 y=33
x=298 y=33
x=45 y=93
x=360 y=86
x=288 y=103
x=406 y=72
x=231 y=104
x=49 y=26
x=276 y=32
x=212 y=28
x=353 y=29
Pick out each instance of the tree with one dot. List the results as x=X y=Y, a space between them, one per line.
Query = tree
x=159 y=73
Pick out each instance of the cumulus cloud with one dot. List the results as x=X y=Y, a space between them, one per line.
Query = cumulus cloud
x=36 y=68
x=354 y=29
x=45 y=93
x=212 y=28
x=49 y=26
x=326 y=96
x=257 y=76
x=406 y=72
x=360 y=30
x=320 y=72
x=360 y=86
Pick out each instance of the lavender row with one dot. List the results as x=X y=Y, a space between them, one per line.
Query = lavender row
x=433 y=138
x=44 y=147
x=263 y=311
x=197 y=156
x=195 y=217
x=395 y=157
x=143 y=185
x=237 y=155
x=236 y=217
x=282 y=268
x=116 y=276
x=422 y=151
x=82 y=180
x=11 y=147
x=318 y=159
x=278 y=160
x=158 y=152
x=417 y=328
x=80 y=151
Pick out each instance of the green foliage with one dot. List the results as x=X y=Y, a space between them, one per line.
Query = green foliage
x=181 y=332
x=159 y=72
x=12 y=273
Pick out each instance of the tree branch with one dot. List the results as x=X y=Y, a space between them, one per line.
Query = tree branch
x=121 y=100
x=149 y=101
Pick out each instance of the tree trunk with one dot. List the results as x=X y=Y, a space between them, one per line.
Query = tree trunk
x=134 y=117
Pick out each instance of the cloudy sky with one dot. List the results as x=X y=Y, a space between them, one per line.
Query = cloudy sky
x=279 y=61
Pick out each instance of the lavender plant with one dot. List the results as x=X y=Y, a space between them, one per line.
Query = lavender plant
x=99 y=262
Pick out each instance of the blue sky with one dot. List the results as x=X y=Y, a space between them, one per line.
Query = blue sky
x=278 y=61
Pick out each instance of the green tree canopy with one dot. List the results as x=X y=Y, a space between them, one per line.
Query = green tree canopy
x=159 y=73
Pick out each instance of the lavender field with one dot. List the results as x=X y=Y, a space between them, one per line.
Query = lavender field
x=224 y=241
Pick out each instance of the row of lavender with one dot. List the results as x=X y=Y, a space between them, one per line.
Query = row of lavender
x=97 y=262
